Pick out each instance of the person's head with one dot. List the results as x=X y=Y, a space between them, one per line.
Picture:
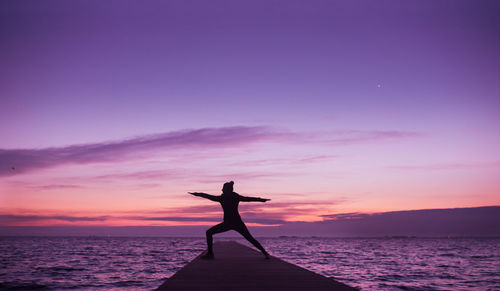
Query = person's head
x=228 y=187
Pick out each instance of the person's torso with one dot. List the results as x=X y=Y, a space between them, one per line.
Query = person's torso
x=230 y=204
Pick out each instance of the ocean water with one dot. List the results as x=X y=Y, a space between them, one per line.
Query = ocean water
x=140 y=263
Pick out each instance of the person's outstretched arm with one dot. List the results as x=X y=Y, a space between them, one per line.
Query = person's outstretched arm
x=252 y=199
x=205 y=195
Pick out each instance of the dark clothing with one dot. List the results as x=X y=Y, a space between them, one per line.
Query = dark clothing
x=229 y=203
x=239 y=227
x=232 y=218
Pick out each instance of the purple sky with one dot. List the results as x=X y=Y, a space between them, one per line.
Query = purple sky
x=370 y=105
x=92 y=70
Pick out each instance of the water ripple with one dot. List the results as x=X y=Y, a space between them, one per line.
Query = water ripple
x=98 y=263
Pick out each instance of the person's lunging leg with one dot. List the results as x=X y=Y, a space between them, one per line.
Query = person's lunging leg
x=243 y=230
x=221 y=227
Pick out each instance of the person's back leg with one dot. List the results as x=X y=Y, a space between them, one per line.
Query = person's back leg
x=221 y=227
x=243 y=230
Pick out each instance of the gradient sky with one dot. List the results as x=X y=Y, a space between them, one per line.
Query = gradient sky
x=110 y=111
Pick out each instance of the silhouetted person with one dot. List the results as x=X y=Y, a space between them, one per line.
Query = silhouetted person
x=232 y=220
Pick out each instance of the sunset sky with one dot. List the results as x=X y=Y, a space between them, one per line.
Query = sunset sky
x=111 y=111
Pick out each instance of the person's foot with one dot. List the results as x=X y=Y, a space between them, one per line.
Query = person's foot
x=207 y=256
x=267 y=256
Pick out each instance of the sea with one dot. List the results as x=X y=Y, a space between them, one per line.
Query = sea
x=143 y=263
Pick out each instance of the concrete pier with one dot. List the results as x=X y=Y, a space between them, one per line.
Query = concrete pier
x=237 y=267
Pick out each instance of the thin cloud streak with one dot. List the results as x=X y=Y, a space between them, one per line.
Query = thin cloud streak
x=11 y=219
x=242 y=176
x=449 y=166
x=285 y=206
x=16 y=161
x=266 y=162
x=267 y=221
x=342 y=216
x=6 y=219
x=347 y=137
x=23 y=160
x=253 y=212
x=475 y=221
x=56 y=187
x=273 y=214
x=140 y=175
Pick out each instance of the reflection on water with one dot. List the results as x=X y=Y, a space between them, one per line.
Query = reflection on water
x=93 y=263
x=143 y=263
x=403 y=263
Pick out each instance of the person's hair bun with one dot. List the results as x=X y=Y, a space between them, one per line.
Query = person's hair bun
x=231 y=182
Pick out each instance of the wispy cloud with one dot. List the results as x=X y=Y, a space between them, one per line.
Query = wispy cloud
x=265 y=221
x=175 y=218
x=475 y=221
x=275 y=208
x=288 y=210
x=6 y=219
x=23 y=160
x=139 y=175
x=14 y=161
x=294 y=160
x=449 y=166
x=342 y=216
x=272 y=213
x=346 y=137
x=16 y=219
x=207 y=178
x=56 y=187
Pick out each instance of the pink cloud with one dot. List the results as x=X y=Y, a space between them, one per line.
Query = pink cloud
x=140 y=175
x=24 y=219
x=344 y=137
x=260 y=220
x=449 y=166
x=56 y=187
x=271 y=213
x=342 y=216
x=240 y=176
x=10 y=219
x=14 y=161
x=23 y=160
x=461 y=222
x=265 y=162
